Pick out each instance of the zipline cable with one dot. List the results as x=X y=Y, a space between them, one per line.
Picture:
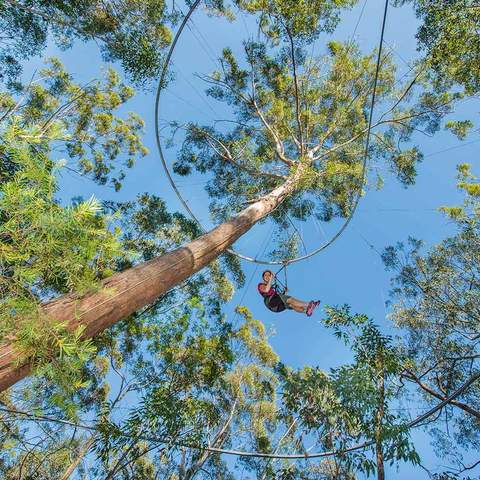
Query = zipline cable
x=170 y=179
x=239 y=453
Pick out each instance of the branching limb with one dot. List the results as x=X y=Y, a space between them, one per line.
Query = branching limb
x=403 y=95
x=251 y=102
x=217 y=442
x=297 y=98
x=227 y=155
x=278 y=144
x=409 y=375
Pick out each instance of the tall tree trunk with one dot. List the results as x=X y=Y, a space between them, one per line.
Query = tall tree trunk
x=124 y=293
x=378 y=427
x=379 y=455
x=80 y=456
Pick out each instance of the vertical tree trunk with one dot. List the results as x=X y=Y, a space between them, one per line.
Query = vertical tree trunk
x=378 y=428
x=124 y=293
x=379 y=454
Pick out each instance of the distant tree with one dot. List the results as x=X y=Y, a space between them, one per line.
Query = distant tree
x=449 y=37
x=134 y=33
x=353 y=403
x=436 y=300
x=206 y=385
x=52 y=113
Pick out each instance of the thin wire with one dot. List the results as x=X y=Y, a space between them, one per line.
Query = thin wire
x=451 y=148
x=178 y=97
x=184 y=203
x=358 y=21
x=213 y=57
x=246 y=288
x=202 y=97
x=238 y=453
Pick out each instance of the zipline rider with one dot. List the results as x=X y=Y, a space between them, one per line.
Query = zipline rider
x=278 y=302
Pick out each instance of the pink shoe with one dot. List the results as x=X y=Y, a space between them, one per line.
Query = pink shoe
x=311 y=307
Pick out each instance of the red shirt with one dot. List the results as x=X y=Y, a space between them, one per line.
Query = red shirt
x=270 y=293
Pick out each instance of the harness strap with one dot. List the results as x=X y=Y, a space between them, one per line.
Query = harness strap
x=284 y=286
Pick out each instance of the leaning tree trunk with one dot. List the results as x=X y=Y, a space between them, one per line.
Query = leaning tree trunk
x=80 y=456
x=124 y=293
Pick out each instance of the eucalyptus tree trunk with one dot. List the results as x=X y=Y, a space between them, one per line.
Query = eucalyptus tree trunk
x=80 y=456
x=124 y=293
x=378 y=433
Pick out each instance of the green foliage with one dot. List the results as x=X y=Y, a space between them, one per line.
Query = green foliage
x=45 y=460
x=205 y=379
x=468 y=215
x=460 y=128
x=449 y=37
x=354 y=402
x=302 y=19
x=54 y=112
x=132 y=32
x=253 y=334
x=301 y=121
x=46 y=249
x=177 y=374
x=435 y=295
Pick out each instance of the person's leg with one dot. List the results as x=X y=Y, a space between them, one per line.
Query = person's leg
x=297 y=305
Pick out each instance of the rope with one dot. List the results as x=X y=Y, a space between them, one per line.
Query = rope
x=240 y=453
x=182 y=200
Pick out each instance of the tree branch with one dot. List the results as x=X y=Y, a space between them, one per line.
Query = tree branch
x=228 y=156
x=409 y=375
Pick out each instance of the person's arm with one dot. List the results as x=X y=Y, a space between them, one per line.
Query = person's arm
x=265 y=287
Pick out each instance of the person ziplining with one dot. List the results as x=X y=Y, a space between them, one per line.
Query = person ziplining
x=277 y=301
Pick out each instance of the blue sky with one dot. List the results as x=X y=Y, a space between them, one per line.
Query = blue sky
x=347 y=272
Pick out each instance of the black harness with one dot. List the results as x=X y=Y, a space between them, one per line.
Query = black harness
x=274 y=302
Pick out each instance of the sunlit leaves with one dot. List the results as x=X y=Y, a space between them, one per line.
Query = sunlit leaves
x=132 y=32
x=304 y=19
x=78 y=120
x=449 y=37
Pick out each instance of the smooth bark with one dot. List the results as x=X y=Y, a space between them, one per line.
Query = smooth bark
x=378 y=434
x=80 y=456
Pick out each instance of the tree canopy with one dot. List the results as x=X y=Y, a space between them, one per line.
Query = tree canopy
x=305 y=118
x=172 y=387
x=449 y=38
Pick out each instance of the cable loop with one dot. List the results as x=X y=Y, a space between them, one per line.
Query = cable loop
x=160 y=87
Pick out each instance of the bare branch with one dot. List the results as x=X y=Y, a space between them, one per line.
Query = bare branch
x=229 y=157
x=409 y=375
x=297 y=99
